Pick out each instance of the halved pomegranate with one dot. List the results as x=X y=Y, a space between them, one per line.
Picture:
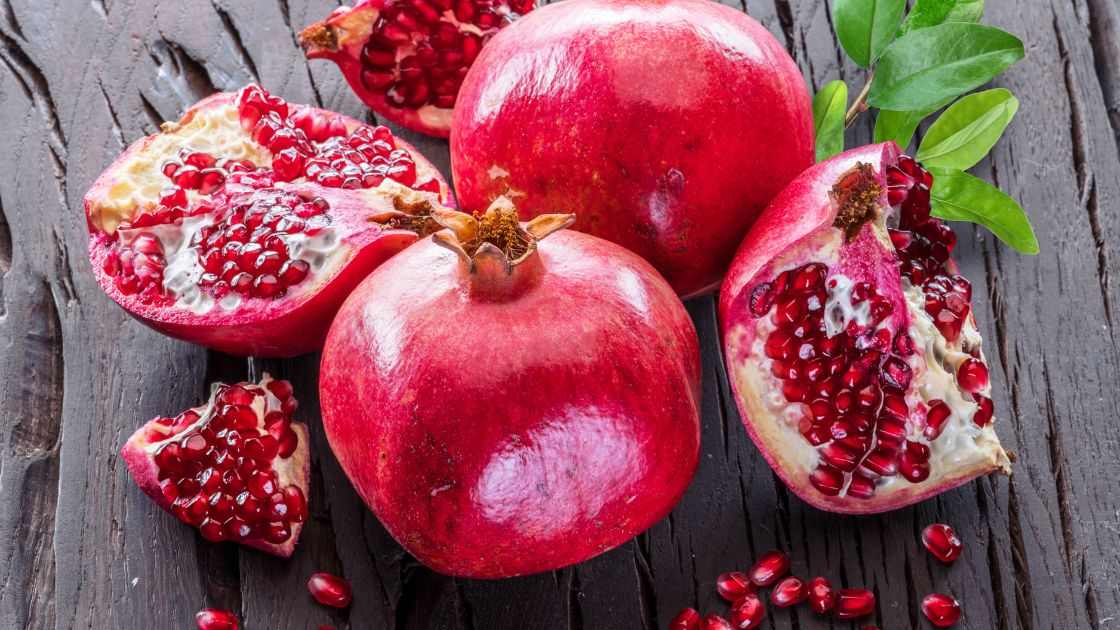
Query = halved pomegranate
x=243 y=226
x=407 y=58
x=850 y=340
x=236 y=467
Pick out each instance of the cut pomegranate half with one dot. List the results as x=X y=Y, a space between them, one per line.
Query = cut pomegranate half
x=406 y=59
x=236 y=467
x=850 y=340
x=243 y=226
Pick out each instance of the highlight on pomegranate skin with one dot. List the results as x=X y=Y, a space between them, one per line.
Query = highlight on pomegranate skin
x=666 y=126
x=850 y=340
x=530 y=395
x=244 y=225
x=235 y=468
x=406 y=59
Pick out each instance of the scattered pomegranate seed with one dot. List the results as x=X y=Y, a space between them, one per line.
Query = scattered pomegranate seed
x=215 y=619
x=687 y=619
x=789 y=592
x=853 y=603
x=748 y=612
x=821 y=597
x=942 y=542
x=769 y=568
x=329 y=590
x=733 y=585
x=715 y=622
x=941 y=610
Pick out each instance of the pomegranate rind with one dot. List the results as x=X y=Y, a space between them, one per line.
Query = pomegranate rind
x=138 y=454
x=794 y=229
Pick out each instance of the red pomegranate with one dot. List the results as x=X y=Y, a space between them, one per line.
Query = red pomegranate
x=524 y=404
x=236 y=467
x=850 y=340
x=407 y=58
x=665 y=125
x=243 y=226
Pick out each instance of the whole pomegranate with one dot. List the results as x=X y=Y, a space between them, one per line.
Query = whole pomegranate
x=407 y=58
x=850 y=340
x=244 y=225
x=514 y=404
x=236 y=467
x=665 y=125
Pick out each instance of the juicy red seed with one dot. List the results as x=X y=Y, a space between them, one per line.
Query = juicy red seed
x=687 y=619
x=733 y=585
x=173 y=197
x=853 y=603
x=861 y=487
x=972 y=375
x=329 y=590
x=942 y=542
x=942 y=611
x=984 y=411
x=762 y=299
x=715 y=622
x=821 y=597
x=895 y=374
x=789 y=592
x=936 y=417
x=214 y=619
x=748 y=612
x=827 y=480
x=769 y=568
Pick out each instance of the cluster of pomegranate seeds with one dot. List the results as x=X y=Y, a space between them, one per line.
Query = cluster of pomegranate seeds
x=137 y=267
x=330 y=590
x=420 y=50
x=215 y=619
x=246 y=249
x=195 y=170
x=218 y=475
x=942 y=542
x=942 y=611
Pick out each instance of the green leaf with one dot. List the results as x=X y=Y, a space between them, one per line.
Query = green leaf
x=927 y=13
x=828 y=119
x=865 y=27
x=897 y=126
x=964 y=134
x=930 y=65
x=958 y=196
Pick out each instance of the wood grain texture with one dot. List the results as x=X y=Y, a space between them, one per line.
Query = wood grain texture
x=81 y=547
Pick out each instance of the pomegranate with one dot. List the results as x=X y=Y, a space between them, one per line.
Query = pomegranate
x=942 y=611
x=329 y=590
x=687 y=619
x=236 y=467
x=850 y=340
x=214 y=619
x=407 y=58
x=942 y=542
x=525 y=403
x=733 y=585
x=748 y=612
x=653 y=120
x=244 y=225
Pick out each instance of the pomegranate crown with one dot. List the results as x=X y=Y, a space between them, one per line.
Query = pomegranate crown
x=495 y=237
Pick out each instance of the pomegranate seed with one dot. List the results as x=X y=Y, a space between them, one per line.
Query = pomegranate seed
x=984 y=411
x=821 y=597
x=214 y=619
x=687 y=619
x=769 y=568
x=942 y=543
x=715 y=622
x=329 y=590
x=748 y=612
x=733 y=585
x=942 y=611
x=173 y=197
x=789 y=592
x=936 y=417
x=853 y=603
x=972 y=375
x=827 y=480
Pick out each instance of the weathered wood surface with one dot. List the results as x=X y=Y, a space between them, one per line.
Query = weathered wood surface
x=80 y=547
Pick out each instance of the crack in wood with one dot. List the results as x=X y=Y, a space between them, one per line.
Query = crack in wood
x=643 y=571
x=118 y=133
x=1104 y=38
x=1024 y=598
x=10 y=18
x=243 y=55
x=36 y=87
x=574 y=610
x=1057 y=469
x=175 y=68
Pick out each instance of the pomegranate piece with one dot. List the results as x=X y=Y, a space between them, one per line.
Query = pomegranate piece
x=250 y=245
x=406 y=59
x=942 y=611
x=748 y=612
x=941 y=542
x=687 y=619
x=215 y=619
x=329 y=590
x=853 y=603
x=822 y=599
x=852 y=349
x=716 y=622
x=789 y=592
x=733 y=585
x=235 y=468
x=664 y=121
x=769 y=568
x=466 y=497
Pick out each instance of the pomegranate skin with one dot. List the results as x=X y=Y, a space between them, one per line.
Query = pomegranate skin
x=506 y=429
x=665 y=125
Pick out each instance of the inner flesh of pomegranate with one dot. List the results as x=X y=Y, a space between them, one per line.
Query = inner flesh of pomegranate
x=881 y=375
x=236 y=468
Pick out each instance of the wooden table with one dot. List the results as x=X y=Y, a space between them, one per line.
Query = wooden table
x=81 y=547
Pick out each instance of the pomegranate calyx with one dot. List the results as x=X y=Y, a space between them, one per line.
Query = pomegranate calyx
x=495 y=238
x=857 y=194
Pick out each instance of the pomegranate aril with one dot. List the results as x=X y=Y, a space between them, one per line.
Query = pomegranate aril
x=853 y=603
x=942 y=611
x=972 y=375
x=733 y=585
x=687 y=619
x=215 y=619
x=769 y=568
x=821 y=597
x=329 y=590
x=789 y=592
x=984 y=410
x=942 y=543
x=716 y=622
x=748 y=612
x=936 y=417
x=827 y=480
